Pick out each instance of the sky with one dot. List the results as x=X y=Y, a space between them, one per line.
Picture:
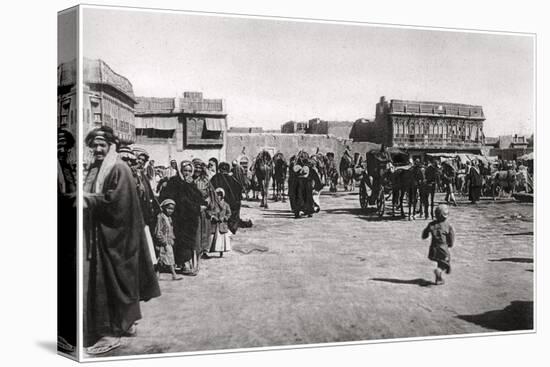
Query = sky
x=273 y=70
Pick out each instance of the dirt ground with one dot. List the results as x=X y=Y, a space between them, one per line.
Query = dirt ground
x=346 y=275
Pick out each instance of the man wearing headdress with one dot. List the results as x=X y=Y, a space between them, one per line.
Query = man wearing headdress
x=233 y=194
x=118 y=270
x=186 y=218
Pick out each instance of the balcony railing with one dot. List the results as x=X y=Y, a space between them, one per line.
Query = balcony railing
x=433 y=140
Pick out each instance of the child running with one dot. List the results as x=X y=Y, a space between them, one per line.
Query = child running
x=164 y=236
x=443 y=237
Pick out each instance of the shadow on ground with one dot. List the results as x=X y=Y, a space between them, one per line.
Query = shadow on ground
x=418 y=281
x=516 y=316
x=523 y=260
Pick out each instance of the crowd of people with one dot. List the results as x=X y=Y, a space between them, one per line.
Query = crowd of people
x=140 y=222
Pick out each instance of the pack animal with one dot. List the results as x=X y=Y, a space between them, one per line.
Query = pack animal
x=263 y=170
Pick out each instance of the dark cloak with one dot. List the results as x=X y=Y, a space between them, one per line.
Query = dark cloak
x=233 y=196
x=186 y=216
x=120 y=268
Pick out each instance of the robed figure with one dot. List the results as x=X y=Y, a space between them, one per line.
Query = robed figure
x=233 y=194
x=186 y=217
x=118 y=270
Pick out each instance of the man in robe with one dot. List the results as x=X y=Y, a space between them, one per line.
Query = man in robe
x=118 y=270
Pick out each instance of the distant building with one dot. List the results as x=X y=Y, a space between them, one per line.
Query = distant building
x=108 y=99
x=420 y=127
x=340 y=129
x=509 y=147
x=183 y=127
x=294 y=127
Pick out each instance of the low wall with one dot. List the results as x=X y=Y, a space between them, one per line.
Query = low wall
x=290 y=144
x=163 y=151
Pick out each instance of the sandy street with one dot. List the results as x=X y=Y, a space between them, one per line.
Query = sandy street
x=346 y=275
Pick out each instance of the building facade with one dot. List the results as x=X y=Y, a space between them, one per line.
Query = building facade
x=184 y=127
x=420 y=127
x=108 y=99
x=509 y=147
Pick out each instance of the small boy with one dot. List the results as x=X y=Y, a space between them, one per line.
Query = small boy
x=443 y=237
x=164 y=238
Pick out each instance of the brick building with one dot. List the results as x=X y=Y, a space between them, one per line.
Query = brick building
x=184 y=127
x=420 y=127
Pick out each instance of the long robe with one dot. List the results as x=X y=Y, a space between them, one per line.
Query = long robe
x=233 y=196
x=475 y=180
x=188 y=199
x=118 y=268
x=209 y=195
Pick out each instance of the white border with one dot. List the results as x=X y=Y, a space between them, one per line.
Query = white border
x=29 y=62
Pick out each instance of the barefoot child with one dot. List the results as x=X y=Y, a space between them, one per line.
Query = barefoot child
x=164 y=236
x=443 y=236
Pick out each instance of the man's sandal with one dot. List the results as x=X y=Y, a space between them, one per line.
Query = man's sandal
x=104 y=345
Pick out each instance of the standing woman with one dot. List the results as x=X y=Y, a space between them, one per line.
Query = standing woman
x=474 y=178
x=186 y=217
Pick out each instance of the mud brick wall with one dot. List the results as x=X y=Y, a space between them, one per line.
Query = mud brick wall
x=290 y=144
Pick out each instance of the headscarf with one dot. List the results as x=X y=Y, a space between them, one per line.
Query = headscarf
x=106 y=168
x=104 y=133
x=219 y=189
x=183 y=164
x=126 y=153
x=167 y=202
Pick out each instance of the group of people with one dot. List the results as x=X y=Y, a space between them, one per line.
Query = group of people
x=129 y=223
x=304 y=185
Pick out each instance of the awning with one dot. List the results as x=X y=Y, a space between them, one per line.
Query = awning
x=157 y=122
x=214 y=124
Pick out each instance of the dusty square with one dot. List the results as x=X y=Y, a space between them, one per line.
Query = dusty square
x=346 y=275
